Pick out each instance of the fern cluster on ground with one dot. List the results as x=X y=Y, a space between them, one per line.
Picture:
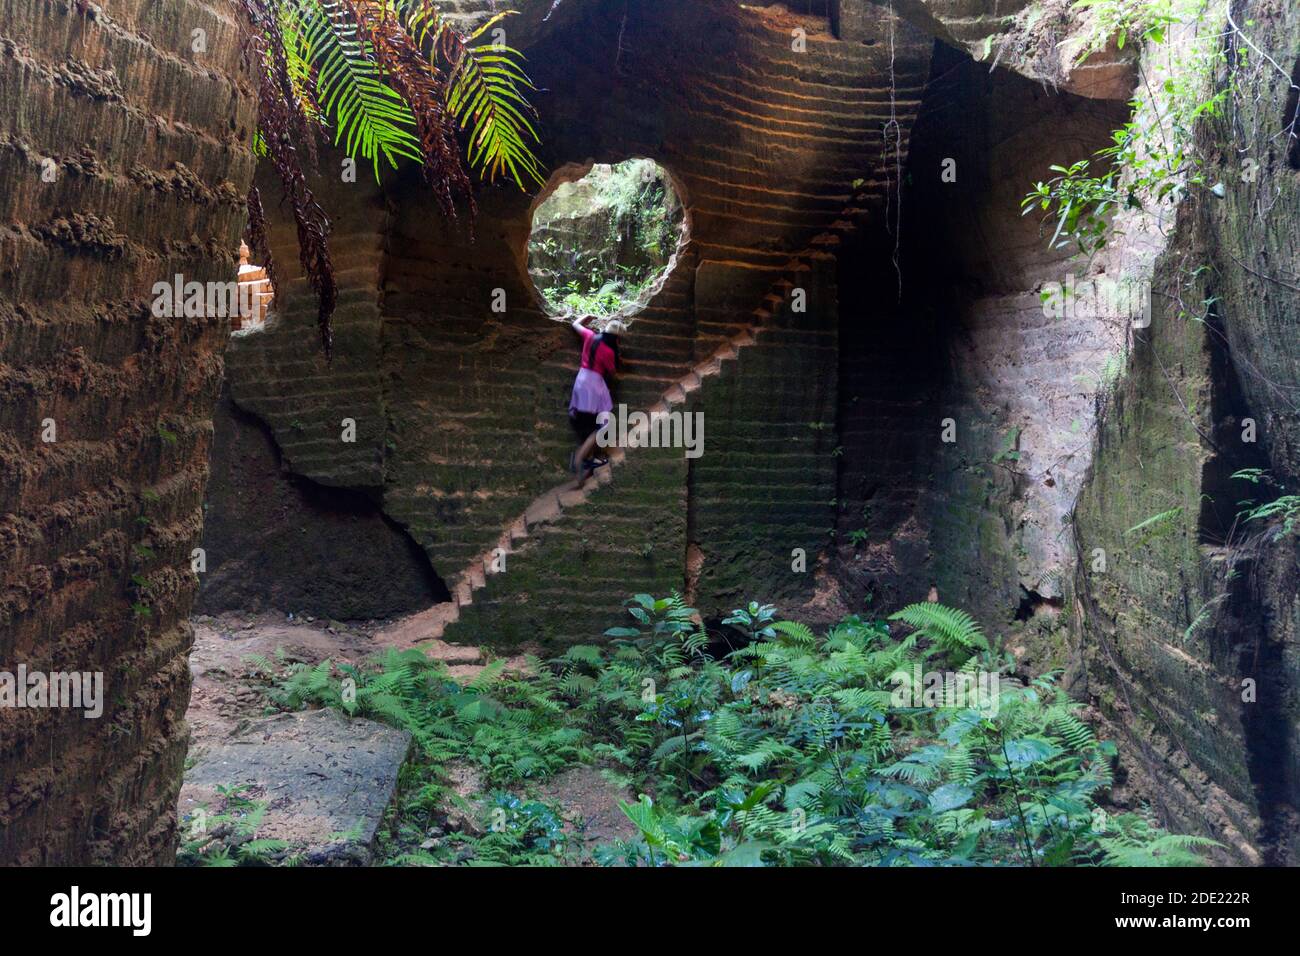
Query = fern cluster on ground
x=892 y=743
x=226 y=836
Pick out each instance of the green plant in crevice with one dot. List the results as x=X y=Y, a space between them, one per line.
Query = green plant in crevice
x=1010 y=451
x=1155 y=525
x=1282 y=513
x=228 y=837
x=1151 y=160
x=1127 y=22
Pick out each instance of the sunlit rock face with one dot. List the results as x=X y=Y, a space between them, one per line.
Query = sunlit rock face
x=1053 y=42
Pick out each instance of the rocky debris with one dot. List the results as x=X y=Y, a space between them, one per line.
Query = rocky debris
x=84 y=78
x=229 y=687
x=466 y=785
x=1043 y=40
x=178 y=180
x=327 y=780
x=322 y=773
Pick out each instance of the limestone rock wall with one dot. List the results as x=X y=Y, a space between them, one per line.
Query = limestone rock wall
x=969 y=349
x=147 y=143
x=1190 y=631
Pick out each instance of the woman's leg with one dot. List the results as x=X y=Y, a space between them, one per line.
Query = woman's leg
x=584 y=426
x=580 y=458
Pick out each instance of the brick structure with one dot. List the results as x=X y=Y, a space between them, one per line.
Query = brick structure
x=255 y=293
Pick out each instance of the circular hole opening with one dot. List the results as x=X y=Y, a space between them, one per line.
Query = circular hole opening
x=604 y=243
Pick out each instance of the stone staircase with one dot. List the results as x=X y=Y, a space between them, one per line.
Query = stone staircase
x=457 y=417
x=549 y=509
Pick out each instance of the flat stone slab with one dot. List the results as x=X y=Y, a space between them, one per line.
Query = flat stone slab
x=327 y=780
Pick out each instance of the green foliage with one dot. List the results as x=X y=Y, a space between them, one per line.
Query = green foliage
x=343 y=81
x=1134 y=842
x=506 y=729
x=791 y=751
x=516 y=832
x=1155 y=525
x=371 y=120
x=1282 y=513
x=1127 y=20
x=485 y=96
x=506 y=726
x=228 y=837
x=951 y=629
x=394 y=79
x=1150 y=161
x=608 y=299
x=754 y=621
x=792 y=748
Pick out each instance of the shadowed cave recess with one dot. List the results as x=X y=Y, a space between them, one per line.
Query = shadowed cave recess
x=879 y=174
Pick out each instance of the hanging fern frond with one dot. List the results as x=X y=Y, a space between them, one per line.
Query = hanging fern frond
x=420 y=84
x=371 y=120
x=301 y=72
x=392 y=80
x=279 y=116
x=486 y=99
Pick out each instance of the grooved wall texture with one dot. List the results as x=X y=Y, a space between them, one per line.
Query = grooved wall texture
x=1191 y=633
x=148 y=142
x=461 y=412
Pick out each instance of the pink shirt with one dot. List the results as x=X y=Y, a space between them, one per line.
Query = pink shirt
x=604 y=361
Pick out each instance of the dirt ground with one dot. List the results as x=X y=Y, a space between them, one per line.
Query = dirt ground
x=229 y=710
x=227 y=690
x=590 y=805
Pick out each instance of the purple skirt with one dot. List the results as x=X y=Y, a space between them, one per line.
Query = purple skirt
x=590 y=394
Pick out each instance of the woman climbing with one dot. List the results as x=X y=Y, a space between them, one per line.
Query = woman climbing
x=591 y=404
